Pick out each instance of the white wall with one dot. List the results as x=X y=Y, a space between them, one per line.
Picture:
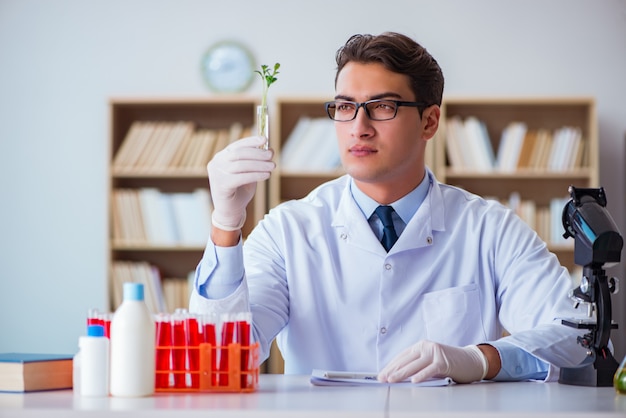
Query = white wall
x=61 y=60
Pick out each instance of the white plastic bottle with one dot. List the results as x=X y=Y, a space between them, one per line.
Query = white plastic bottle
x=76 y=373
x=132 y=345
x=94 y=363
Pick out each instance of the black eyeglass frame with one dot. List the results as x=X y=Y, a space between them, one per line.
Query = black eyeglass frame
x=358 y=105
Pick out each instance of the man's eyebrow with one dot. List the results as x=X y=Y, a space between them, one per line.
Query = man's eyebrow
x=385 y=95
x=342 y=97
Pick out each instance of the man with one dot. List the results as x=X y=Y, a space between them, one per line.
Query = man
x=315 y=274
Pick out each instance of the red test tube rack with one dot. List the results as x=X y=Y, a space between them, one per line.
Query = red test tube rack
x=188 y=358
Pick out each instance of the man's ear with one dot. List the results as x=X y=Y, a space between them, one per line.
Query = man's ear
x=430 y=121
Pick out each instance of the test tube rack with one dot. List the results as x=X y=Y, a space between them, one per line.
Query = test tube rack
x=241 y=373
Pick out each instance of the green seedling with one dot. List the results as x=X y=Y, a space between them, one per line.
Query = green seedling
x=269 y=77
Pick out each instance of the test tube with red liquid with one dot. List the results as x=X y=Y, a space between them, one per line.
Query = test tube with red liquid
x=209 y=323
x=235 y=329
x=228 y=337
x=163 y=350
x=192 y=328
x=179 y=348
x=95 y=317
x=243 y=322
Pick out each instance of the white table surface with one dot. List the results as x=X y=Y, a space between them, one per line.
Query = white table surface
x=294 y=396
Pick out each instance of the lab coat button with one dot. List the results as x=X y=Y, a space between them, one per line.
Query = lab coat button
x=387 y=266
x=344 y=236
x=429 y=240
x=383 y=330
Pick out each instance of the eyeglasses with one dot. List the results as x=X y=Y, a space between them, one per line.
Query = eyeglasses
x=381 y=109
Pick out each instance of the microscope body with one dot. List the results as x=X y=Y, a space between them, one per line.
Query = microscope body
x=597 y=243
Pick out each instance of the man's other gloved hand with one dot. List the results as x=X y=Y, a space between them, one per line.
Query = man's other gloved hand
x=233 y=174
x=427 y=359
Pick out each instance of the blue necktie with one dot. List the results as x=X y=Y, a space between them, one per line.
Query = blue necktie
x=389 y=232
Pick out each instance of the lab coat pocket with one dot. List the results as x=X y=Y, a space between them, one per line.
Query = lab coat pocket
x=452 y=316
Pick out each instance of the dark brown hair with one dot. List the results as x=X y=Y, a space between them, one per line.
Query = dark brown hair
x=400 y=54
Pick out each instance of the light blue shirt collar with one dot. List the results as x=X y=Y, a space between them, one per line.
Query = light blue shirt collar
x=405 y=207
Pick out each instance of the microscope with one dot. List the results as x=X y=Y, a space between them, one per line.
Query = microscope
x=597 y=243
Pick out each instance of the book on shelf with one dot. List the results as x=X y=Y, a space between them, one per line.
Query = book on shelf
x=28 y=372
x=123 y=271
x=557 y=152
x=540 y=150
x=200 y=147
x=162 y=294
x=545 y=139
x=157 y=215
x=311 y=146
x=136 y=217
x=478 y=138
x=468 y=143
x=178 y=136
x=157 y=141
x=578 y=156
x=192 y=216
x=289 y=150
x=526 y=152
x=177 y=291
x=190 y=149
x=511 y=142
x=206 y=139
x=453 y=143
x=133 y=144
x=126 y=217
x=566 y=151
x=161 y=146
x=468 y=147
x=149 y=216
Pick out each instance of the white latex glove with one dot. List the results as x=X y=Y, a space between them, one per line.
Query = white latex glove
x=427 y=359
x=233 y=174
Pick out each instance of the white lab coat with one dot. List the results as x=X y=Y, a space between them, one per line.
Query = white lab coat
x=463 y=271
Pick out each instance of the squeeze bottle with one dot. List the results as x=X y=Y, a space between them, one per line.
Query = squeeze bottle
x=76 y=372
x=94 y=363
x=132 y=345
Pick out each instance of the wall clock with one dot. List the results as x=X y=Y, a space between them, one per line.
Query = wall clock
x=228 y=67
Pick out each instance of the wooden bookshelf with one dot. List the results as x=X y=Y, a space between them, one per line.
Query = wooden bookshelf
x=537 y=185
x=173 y=260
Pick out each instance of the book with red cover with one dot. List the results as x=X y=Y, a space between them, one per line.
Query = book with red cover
x=28 y=372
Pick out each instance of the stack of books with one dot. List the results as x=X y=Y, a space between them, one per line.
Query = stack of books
x=171 y=146
x=149 y=216
x=161 y=294
x=469 y=147
x=311 y=147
